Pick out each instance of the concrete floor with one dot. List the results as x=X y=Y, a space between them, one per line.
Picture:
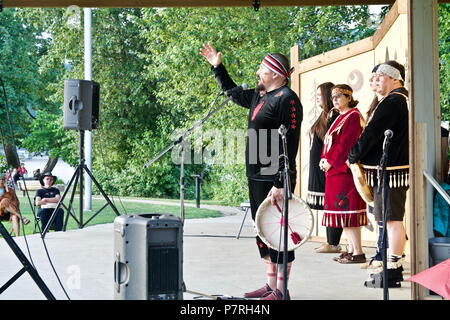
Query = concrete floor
x=215 y=263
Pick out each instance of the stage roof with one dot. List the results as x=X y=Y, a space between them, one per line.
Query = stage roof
x=181 y=3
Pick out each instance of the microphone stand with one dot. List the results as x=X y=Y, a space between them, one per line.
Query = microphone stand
x=287 y=197
x=180 y=140
x=383 y=188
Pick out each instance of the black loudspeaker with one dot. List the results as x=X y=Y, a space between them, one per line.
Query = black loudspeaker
x=148 y=254
x=81 y=104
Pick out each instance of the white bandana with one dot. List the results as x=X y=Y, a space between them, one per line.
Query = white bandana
x=390 y=71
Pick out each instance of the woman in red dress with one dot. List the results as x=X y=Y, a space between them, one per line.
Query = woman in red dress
x=343 y=206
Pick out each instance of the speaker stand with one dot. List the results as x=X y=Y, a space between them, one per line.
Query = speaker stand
x=78 y=178
x=27 y=267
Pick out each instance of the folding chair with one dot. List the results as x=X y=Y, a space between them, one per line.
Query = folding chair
x=37 y=219
x=245 y=206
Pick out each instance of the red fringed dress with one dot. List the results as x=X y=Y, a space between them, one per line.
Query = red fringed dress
x=343 y=206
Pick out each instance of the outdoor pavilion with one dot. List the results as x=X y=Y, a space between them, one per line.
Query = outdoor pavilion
x=425 y=146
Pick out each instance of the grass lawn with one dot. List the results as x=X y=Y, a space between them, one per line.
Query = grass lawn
x=107 y=215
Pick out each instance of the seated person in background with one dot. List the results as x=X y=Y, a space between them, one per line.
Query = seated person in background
x=47 y=199
x=37 y=174
x=21 y=171
x=9 y=175
x=9 y=206
x=12 y=175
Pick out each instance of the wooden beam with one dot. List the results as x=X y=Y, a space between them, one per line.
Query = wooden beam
x=387 y=22
x=185 y=3
x=181 y=3
x=356 y=48
x=332 y=56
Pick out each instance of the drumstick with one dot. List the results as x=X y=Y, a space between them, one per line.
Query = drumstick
x=294 y=235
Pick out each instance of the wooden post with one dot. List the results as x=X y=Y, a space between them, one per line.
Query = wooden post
x=424 y=128
x=419 y=234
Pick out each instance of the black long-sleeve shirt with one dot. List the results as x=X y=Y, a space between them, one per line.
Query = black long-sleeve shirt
x=267 y=112
x=391 y=113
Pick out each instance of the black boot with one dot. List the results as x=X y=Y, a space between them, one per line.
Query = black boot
x=395 y=277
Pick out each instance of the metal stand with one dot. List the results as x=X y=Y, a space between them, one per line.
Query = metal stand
x=287 y=197
x=245 y=206
x=180 y=141
x=383 y=188
x=78 y=177
x=198 y=182
x=27 y=267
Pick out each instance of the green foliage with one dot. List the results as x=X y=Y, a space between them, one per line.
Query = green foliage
x=3 y=164
x=20 y=49
x=47 y=134
x=320 y=29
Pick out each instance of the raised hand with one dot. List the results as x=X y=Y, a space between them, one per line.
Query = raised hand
x=210 y=54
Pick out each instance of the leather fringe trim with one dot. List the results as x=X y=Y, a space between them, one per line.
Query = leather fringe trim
x=315 y=200
x=397 y=177
x=344 y=220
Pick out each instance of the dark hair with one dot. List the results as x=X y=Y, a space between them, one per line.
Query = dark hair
x=353 y=103
x=322 y=123
x=399 y=67
x=374 y=102
x=372 y=106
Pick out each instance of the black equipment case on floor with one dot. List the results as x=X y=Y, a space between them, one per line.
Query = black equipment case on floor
x=148 y=257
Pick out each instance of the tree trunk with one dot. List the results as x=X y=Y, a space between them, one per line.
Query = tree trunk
x=11 y=156
x=50 y=165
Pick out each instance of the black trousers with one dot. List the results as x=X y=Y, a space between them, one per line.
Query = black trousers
x=334 y=235
x=258 y=191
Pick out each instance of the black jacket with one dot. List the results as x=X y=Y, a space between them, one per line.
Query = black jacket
x=391 y=113
x=266 y=114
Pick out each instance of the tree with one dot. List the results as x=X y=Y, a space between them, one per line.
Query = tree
x=22 y=86
x=320 y=29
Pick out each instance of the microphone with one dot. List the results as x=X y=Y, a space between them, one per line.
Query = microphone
x=282 y=130
x=230 y=92
x=388 y=134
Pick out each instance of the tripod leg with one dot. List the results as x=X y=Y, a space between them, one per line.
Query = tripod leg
x=26 y=266
x=12 y=280
x=69 y=210
x=101 y=191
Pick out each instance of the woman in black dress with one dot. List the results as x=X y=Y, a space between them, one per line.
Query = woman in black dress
x=316 y=182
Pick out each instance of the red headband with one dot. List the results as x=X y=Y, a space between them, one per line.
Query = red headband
x=276 y=66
